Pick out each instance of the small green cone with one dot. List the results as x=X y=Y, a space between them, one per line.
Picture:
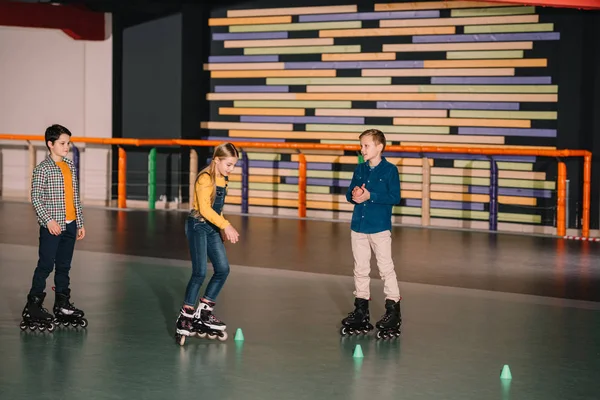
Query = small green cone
x=358 y=353
x=239 y=335
x=505 y=373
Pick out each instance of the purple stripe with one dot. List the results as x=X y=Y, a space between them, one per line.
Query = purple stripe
x=274 y=164
x=369 y=16
x=250 y=35
x=232 y=139
x=319 y=166
x=489 y=80
x=251 y=89
x=508 y=132
x=242 y=59
x=447 y=105
x=319 y=182
x=305 y=120
x=354 y=64
x=447 y=156
x=496 y=37
x=513 y=192
x=454 y=205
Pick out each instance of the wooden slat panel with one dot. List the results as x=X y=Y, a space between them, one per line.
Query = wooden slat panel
x=284 y=19
x=291 y=11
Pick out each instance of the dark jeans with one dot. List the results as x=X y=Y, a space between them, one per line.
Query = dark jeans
x=54 y=250
x=205 y=240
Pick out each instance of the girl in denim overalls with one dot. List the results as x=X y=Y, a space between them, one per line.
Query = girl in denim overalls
x=203 y=228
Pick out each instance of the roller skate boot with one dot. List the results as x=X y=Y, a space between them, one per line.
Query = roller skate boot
x=35 y=316
x=207 y=324
x=66 y=313
x=184 y=325
x=357 y=321
x=388 y=326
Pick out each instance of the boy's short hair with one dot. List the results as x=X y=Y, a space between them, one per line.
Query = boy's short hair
x=376 y=134
x=53 y=132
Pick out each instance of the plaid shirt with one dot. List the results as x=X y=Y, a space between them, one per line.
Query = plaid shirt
x=48 y=193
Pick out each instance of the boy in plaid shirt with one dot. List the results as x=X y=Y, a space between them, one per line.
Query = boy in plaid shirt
x=55 y=198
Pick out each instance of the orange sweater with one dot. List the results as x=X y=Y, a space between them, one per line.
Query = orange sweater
x=202 y=203
x=69 y=199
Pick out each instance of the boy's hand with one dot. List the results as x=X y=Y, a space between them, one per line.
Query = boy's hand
x=54 y=228
x=357 y=191
x=231 y=234
x=362 y=195
x=80 y=233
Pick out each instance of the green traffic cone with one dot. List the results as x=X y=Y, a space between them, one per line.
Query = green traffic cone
x=360 y=158
x=239 y=335
x=505 y=373
x=358 y=353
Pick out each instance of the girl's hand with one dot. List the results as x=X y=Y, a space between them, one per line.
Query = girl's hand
x=231 y=234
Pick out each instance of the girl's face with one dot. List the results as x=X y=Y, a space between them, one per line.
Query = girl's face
x=61 y=146
x=225 y=165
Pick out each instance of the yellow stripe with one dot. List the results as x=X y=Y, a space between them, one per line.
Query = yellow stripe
x=532 y=62
x=296 y=112
x=255 y=178
x=392 y=23
x=440 y=72
x=277 y=42
x=273 y=73
x=505 y=114
x=510 y=123
x=359 y=57
x=303 y=50
x=458 y=46
x=330 y=81
x=245 y=125
x=249 y=21
x=471 y=55
x=388 y=32
x=509 y=28
x=243 y=66
x=291 y=11
x=380 y=112
x=292 y=104
x=433 y=5
x=478 y=12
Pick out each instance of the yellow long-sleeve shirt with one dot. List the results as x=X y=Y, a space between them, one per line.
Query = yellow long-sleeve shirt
x=202 y=203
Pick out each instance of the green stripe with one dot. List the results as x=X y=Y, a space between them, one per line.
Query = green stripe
x=467 y=55
x=509 y=28
x=303 y=50
x=339 y=142
x=264 y=156
x=461 y=214
x=330 y=81
x=310 y=26
x=385 y=128
x=504 y=114
x=486 y=12
x=488 y=89
x=329 y=174
x=291 y=104
x=527 y=218
x=400 y=210
x=486 y=165
x=527 y=184
x=460 y=180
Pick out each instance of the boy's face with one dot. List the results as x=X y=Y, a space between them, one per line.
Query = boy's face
x=369 y=149
x=61 y=146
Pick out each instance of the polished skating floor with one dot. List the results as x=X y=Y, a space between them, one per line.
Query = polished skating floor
x=472 y=302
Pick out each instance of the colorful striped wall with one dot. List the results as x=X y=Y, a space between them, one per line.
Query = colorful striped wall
x=444 y=73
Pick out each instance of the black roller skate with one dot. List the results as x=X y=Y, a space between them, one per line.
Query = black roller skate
x=206 y=324
x=35 y=316
x=66 y=313
x=184 y=325
x=389 y=325
x=357 y=321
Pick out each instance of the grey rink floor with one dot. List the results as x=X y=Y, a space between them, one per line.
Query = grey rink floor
x=453 y=346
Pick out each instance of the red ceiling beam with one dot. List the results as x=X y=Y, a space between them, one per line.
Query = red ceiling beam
x=579 y=4
x=77 y=22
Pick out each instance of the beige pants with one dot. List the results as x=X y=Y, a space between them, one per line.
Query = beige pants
x=381 y=243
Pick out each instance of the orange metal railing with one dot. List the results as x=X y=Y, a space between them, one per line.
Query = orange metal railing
x=561 y=226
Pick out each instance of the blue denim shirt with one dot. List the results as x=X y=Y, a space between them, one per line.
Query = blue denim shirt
x=383 y=182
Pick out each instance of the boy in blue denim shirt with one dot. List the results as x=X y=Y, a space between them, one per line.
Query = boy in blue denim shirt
x=374 y=190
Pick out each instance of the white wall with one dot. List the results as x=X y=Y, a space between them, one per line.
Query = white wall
x=45 y=78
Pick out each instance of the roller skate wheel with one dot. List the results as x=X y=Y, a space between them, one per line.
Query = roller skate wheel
x=83 y=322
x=201 y=335
x=23 y=325
x=42 y=328
x=343 y=331
x=32 y=327
x=380 y=335
x=180 y=339
x=223 y=336
x=212 y=336
x=65 y=323
x=51 y=327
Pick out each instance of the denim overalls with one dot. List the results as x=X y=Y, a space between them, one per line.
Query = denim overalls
x=204 y=239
